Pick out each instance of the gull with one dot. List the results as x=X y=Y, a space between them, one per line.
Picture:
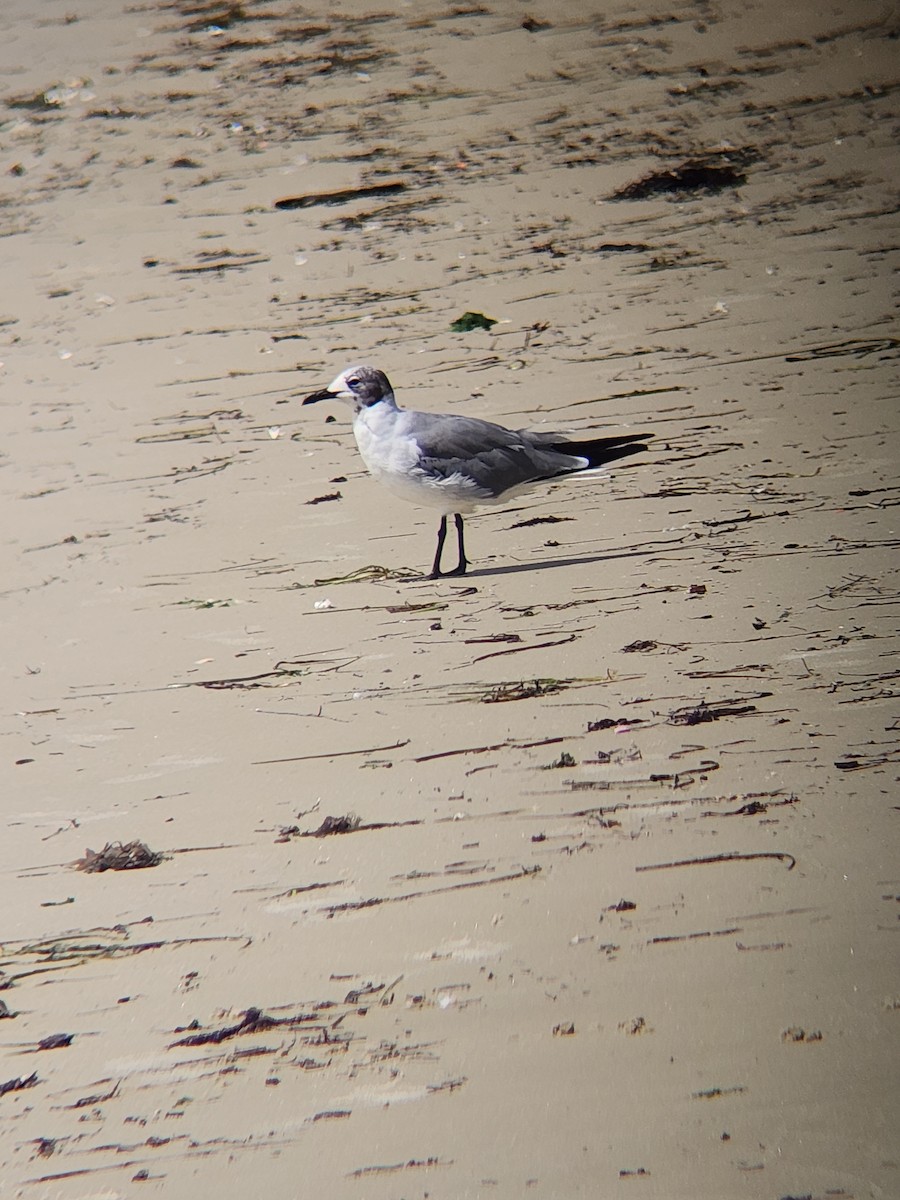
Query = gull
x=456 y=463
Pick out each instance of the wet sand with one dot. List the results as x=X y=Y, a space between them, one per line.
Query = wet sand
x=570 y=878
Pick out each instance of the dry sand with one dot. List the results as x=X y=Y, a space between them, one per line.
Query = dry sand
x=619 y=914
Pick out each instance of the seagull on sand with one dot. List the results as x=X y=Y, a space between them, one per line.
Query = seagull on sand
x=456 y=463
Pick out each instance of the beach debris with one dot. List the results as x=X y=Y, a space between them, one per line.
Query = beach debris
x=348 y=823
x=597 y=818
x=703 y=712
x=679 y=779
x=667 y=939
x=74 y=949
x=409 y=607
x=565 y=760
x=263 y=762
x=253 y=1020
x=548 y=520
x=331 y=910
x=566 y=1029
x=706 y=173
x=753 y=805
x=796 y=1034
x=714 y=1093
x=411 y=1164
x=634 y=1027
x=54 y=98
x=570 y=637
x=19 y=1084
x=621 y=248
x=202 y=604
x=510 y=743
x=55 y=1041
x=620 y=755
x=447 y=1085
x=280 y=671
x=616 y=723
x=217 y=261
x=547 y=247
x=324 y=499
x=503 y=692
x=213 y=18
x=861 y=762
x=344 y=196
x=730 y=856
x=95 y=1098
x=471 y=320
x=371 y=573
x=181 y=435
x=118 y=857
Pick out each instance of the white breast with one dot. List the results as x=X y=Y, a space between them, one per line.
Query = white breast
x=392 y=456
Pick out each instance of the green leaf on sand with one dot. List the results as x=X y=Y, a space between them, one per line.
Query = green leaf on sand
x=472 y=320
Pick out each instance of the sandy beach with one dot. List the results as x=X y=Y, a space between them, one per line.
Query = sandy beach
x=572 y=877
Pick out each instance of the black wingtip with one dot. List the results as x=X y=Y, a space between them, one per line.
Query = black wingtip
x=599 y=451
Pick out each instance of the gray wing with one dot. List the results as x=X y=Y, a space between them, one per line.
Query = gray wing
x=494 y=459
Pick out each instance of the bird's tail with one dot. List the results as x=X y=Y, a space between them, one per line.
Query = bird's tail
x=599 y=451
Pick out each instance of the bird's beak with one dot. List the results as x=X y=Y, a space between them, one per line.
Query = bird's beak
x=315 y=397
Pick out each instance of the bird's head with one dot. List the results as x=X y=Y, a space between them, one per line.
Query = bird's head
x=359 y=386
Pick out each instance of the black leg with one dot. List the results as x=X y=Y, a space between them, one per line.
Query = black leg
x=463 y=561
x=442 y=535
x=460 y=568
